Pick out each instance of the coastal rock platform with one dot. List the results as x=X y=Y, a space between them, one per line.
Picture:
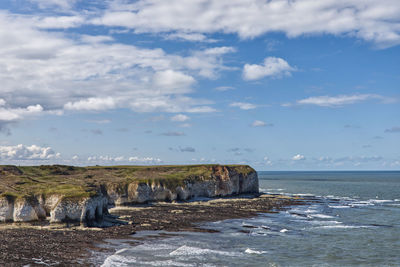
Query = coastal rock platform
x=41 y=243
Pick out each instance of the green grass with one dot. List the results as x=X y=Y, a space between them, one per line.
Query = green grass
x=79 y=182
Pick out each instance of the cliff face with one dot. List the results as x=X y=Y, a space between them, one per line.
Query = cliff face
x=217 y=181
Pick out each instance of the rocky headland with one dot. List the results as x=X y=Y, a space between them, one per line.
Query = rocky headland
x=45 y=210
x=65 y=193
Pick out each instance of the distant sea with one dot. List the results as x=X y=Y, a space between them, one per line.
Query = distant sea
x=350 y=219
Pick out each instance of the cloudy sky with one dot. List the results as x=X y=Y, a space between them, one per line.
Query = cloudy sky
x=279 y=85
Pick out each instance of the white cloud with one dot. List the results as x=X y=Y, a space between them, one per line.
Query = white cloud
x=299 y=157
x=92 y=104
x=64 y=4
x=258 y=123
x=146 y=160
x=272 y=67
x=180 y=118
x=8 y=114
x=22 y=152
x=170 y=79
x=375 y=21
x=190 y=37
x=340 y=100
x=267 y=161
x=60 y=22
x=119 y=159
x=243 y=105
x=56 y=71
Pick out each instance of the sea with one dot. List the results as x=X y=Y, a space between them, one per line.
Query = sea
x=349 y=219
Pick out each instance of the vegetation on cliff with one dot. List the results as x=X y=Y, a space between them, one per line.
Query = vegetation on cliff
x=77 y=182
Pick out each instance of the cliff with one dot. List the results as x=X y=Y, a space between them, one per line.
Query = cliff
x=66 y=193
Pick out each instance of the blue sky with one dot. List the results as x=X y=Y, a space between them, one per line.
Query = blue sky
x=278 y=85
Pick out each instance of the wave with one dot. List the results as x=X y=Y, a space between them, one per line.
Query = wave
x=338 y=207
x=118 y=260
x=322 y=216
x=195 y=251
x=252 y=251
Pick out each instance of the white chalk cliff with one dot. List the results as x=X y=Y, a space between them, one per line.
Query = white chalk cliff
x=224 y=181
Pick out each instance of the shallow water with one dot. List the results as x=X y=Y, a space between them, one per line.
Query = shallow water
x=351 y=219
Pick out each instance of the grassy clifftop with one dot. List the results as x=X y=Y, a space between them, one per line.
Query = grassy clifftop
x=70 y=181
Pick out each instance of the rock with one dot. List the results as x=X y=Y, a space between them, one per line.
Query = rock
x=6 y=209
x=223 y=181
x=24 y=211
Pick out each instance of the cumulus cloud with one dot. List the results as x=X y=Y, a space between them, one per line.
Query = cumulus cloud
x=53 y=71
x=172 y=79
x=190 y=37
x=271 y=67
x=22 y=152
x=118 y=159
x=299 y=157
x=243 y=105
x=9 y=115
x=374 y=21
x=92 y=103
x=180 y=118
x=146 y=160
x=340 y=100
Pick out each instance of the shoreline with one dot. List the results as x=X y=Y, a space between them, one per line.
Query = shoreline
x=28 y=243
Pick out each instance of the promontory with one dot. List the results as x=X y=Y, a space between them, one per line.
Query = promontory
x=60 y=193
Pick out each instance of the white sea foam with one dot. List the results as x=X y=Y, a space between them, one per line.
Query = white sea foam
x=252 y=251
x=259 y=233
x=304 y=195
x=322 y=216
x=338 y=207
x=379 y=201
x=152 y=247
x=283 y=230
x=118 y=261
x=339 y=197
x=325 y=222
x=194 y=251
x=361 y=204
x=164 y=263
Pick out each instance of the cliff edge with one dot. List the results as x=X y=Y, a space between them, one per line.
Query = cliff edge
x=65 y=193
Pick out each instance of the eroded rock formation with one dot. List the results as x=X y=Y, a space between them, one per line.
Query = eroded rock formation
x=223 y=181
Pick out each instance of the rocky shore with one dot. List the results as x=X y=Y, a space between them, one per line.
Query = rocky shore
x=42 y=243
x=60 y=215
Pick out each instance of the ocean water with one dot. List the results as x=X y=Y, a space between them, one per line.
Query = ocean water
x=350 y=219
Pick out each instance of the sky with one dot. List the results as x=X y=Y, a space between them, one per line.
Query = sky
x=278 y=84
